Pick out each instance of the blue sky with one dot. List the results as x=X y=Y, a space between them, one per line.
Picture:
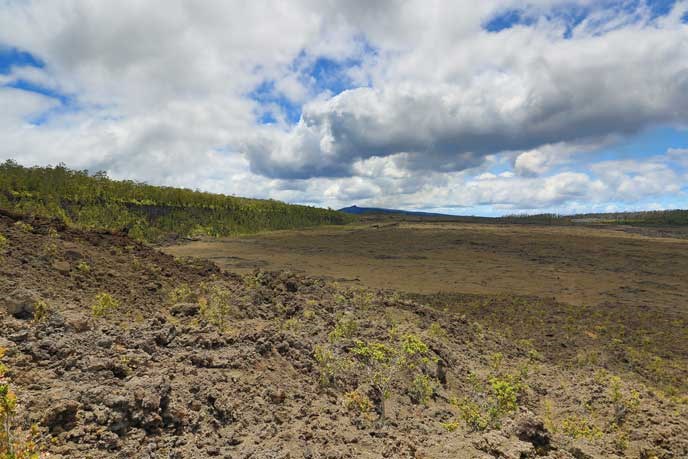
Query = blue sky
x=486 y=108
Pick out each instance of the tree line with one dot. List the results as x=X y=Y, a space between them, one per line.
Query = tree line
x=146 y=212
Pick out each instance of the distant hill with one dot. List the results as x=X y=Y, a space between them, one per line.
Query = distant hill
x=146 y=212
x=355 y=210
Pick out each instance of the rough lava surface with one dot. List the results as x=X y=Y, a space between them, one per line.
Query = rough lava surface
x=156 y=378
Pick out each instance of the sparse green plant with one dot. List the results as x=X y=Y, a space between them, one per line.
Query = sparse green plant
x=363 y=299
x=83 y=267
x=216 y=306
x=40 y=311
x=505 y=392
x=422 y=388
x=14 y=444
x=23 y=226
x=383 y=363
x=254 y=280
x=620 y=439
x=339 y=299
x=358 y=402
x=104 y=305
x=346 y=327
x=293 y=324
x=548 y=416
x=479 y=330
x=579 y=427
x=308 y=314
x=436 y=331
x=181 y=294
x=472 y=414
x=492 y=400
x=4 y=244
x=623 y=403
x=50 y=248
x=450 y=426
x=496 y=360
x=327 y=365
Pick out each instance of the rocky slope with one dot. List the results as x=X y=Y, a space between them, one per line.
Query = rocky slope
x=117 y=350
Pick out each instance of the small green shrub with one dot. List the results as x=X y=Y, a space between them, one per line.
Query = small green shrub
x=327 y=365
x=14 y=444
x=104 y=305
x=624 y=402
x=20 y=225
x=346 y=327
x=422 y=389
x=293 y=324
x=216 y=306
x=436 y=331
x=505 y=392
x=4 y=244
x=40 y=311
x=358 y=402
x=181 y=294
x=450 y=426
x=496 y=360
x=83 y=267
x=578 y=427
x=472 y=414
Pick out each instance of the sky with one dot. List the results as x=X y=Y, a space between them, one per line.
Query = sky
x=475 y=108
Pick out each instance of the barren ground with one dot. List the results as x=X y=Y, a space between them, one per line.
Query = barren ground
x=575 y=265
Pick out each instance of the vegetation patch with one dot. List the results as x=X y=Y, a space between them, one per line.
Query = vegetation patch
x=146 y=212
x=104 y=305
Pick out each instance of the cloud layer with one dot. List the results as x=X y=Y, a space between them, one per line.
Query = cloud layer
x=404 y=103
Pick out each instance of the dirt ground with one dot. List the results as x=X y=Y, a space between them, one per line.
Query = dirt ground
x=574 y=265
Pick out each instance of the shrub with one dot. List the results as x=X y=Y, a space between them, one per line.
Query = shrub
x=13 y=445
x=492 y=401
x=578 y=427
x=346 y=327
x=293 y=324
x=472 y=414
x=358 y=401
x=327 y=365
x=422 y=389
x=40 y=311
x=4 y=243
x=83 y=267
x=104 y=305
x=436 y=331
x=496 y=360
x=622 y=403
x=216 y=306
x=20 y=225
x=450 y=426
x=505 y=392
x=385 y=363
x=181 y=294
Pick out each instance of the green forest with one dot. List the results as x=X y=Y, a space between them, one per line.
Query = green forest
x=675 y=217
x=146 y=212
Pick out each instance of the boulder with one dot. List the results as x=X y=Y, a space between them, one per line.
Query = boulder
x=61 y=416
x=185 y=309
x=20 y=303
